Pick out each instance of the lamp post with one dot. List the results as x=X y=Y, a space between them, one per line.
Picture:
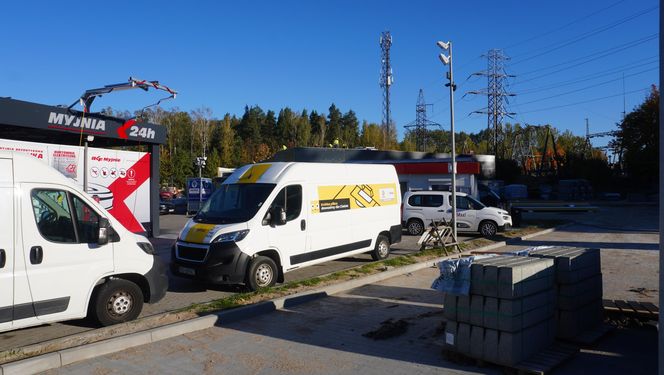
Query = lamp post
x=447 y=60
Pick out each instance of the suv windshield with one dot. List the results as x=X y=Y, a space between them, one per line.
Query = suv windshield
x=234 y=203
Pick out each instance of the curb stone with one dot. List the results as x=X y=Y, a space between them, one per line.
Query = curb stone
x=68 y=356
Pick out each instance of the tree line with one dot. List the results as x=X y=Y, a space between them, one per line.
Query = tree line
x=255 y=136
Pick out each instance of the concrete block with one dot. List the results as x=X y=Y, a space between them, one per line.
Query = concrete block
x=450 y=307
x=527 y=319
x=463 y=338
x=451 y=333
x=491 y=274
x=97 y=349
x=573 y=296
x=517 y=346
x=477 y=342
x=463 y=309
x=32 y=365
x=490 y=313
x=477 y=310
x=490 y=345
x=477 y=271
x=181 y=328
x=571 y=323
x=514 y=307
x=525 y=278
x=573 y=264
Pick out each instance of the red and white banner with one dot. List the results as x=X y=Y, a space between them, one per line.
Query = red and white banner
x=118 y=180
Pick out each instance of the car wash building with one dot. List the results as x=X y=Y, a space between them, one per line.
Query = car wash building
x=416 y=170
x=93 y=149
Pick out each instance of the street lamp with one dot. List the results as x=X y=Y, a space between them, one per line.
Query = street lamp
x=447 y=60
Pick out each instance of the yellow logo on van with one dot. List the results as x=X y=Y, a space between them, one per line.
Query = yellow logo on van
x=347 y=197
x=252 y=174
x=198 y=232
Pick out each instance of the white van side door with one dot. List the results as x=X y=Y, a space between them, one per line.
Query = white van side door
x=289 y=239
x=62 y=258
x=6 y=244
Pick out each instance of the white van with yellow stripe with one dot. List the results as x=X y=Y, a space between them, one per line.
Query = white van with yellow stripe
x=271 y=218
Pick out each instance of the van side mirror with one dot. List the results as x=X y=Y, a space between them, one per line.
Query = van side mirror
x=278 y=216
x=104 y=229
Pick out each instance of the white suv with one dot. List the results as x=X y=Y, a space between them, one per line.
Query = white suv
x=421 y=208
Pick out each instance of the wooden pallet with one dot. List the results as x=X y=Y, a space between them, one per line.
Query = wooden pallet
x=632 y=309
x=541 y=363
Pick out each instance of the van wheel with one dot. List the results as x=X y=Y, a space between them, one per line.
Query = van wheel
x=262 y=273
x=117 y=301
x=488 y=228
x=382 y=249
x=415 y=227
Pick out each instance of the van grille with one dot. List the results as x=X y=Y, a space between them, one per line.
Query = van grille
x=196 y=254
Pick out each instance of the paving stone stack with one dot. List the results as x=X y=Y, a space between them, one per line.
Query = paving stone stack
x=508 y=315
x=579 y=285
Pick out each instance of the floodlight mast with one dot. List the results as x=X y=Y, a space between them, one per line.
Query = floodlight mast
x=133 y=83
x=447 y=60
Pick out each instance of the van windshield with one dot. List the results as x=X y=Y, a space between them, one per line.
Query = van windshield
x=234 y=203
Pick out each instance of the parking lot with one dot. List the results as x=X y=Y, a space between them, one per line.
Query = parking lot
x=183 y=292
x=630 y=274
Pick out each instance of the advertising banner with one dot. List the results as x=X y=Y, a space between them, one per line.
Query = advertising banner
x=118 y=180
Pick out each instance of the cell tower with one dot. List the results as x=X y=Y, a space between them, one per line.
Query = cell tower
x=496 y=93
x=386 y=81
x=421 y=124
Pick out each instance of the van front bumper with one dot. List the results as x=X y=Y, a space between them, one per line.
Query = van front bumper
x=223 y=263
x=157 y=280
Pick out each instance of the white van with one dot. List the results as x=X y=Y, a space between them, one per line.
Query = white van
x=62 y=256
x=420 y=208
x=271 y=218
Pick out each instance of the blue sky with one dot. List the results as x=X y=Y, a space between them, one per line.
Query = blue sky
x=309 y=54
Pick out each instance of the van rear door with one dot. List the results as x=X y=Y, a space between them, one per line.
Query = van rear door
x=63 y=259
x=6 y=244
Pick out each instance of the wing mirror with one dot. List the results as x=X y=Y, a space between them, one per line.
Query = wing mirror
x=278 y=216
x=104 y=230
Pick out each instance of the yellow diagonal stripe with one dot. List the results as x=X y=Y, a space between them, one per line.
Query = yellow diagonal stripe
x=198 y=232
x=252 y=174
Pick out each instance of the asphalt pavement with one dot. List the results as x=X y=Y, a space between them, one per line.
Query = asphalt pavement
x=330 y=335
x=184 y=292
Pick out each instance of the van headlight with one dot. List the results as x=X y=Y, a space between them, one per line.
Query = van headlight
x=506 y=218
x=147 y=247
x=232 y=236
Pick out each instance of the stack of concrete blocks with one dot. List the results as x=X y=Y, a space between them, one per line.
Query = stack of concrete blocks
x=508 y=315
x=579 y=285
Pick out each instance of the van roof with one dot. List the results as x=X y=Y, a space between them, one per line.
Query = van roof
x=322 y=172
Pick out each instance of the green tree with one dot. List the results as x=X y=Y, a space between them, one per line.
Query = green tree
x=638 y=135
x=333 y=125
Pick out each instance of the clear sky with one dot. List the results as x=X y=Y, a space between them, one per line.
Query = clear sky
x=309 y=54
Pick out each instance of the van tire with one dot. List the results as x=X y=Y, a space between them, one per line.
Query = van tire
x=262 y=273
x=117 y=301
x=488 y=228
x=415 y=227
x=382 y=249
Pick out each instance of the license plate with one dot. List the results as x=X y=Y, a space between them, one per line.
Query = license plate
x=187 y=271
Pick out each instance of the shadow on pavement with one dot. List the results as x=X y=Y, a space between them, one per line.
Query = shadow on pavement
x=340 y=323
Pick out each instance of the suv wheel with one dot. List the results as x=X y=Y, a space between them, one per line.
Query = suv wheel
x=488 y=228
x=415 y=227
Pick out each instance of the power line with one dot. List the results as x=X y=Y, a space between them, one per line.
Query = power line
x=550 y=49
x=588 y=87
x=585 y=101
x=583 y=78
x=564 y=26
x=597 y=55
